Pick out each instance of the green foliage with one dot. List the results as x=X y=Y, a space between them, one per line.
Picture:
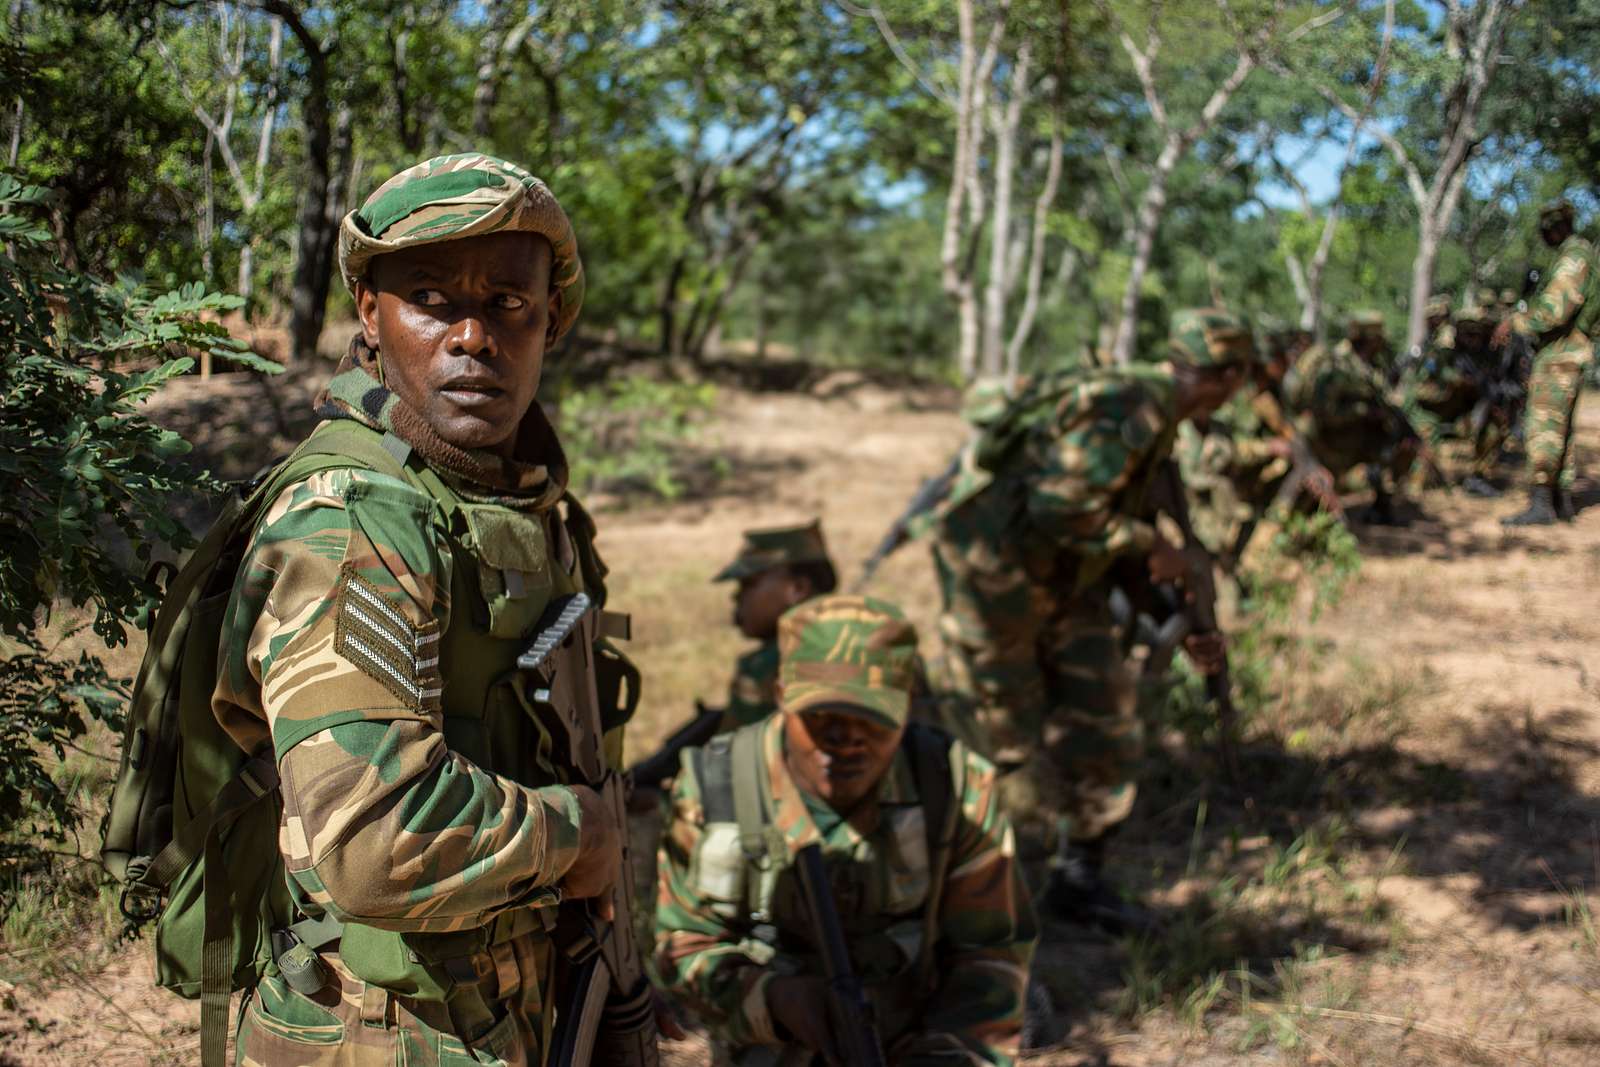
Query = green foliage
x=632 y=435
x=87 y=482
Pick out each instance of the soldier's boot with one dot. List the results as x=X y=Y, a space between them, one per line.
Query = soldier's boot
x=1541 y=509
x=1566 y=507
x=1076 y=892
x=1477 y=485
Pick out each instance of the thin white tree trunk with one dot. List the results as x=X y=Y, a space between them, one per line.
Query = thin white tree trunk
x=998 y=291
x=1041 y=216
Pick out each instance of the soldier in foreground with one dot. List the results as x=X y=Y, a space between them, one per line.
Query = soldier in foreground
x=1559 y=322
x=1340 y=399
x=372 y=645
x=1050 y=497
x=918 y=854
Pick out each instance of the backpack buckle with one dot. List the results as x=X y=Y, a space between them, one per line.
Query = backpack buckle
x=139 y=903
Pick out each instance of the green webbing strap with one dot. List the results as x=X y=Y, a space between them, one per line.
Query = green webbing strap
x=749 y=808
x=256 y=779
x=930 y=766
x=216 y=953
x=317 y=933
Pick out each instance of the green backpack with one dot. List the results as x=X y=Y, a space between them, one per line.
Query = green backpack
x=192 y=829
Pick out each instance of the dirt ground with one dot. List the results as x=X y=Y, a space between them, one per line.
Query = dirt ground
x=1404 y=874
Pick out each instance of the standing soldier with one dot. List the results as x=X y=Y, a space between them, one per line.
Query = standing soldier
x=1049 y=497
x=918 y=853
x=775 y=570
x=372 y=642
x=1558 y=324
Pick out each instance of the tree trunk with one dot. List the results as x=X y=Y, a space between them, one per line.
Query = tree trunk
x=1151 y=207
x=1428 y=240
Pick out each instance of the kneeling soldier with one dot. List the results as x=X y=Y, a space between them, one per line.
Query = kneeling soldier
x=919 y=855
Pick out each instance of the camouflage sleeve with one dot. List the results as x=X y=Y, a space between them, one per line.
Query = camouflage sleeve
x=1080 y=475
x=986 y=935
x=1559 y=299
x=701 y=959
x=331 y=638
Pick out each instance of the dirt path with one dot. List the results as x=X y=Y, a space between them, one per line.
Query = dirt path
x=1406 y=876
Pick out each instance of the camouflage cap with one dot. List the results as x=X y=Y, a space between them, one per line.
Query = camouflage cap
x=465 y=195
x=1364 y=323
x=857 y=652
x=1438 y=306
x=1210 y=337
x=1484 y=297
x=987 y=398
x=1509 y=296
x=764 y=549
x=1557 y=210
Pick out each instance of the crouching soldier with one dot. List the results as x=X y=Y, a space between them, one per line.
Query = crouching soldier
x=918 y=853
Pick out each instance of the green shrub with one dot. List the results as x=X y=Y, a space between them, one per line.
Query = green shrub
x=87 y=481
x=632 y=434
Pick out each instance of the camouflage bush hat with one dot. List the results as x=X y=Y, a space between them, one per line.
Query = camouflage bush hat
x=853 y=651
x=465 y=195
x=1210 y=337
x=1557 y=211
x=1509 y=297
x=764 y=549
x=1364 y=323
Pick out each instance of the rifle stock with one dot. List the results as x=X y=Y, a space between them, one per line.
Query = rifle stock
x=855 y=1030
x=1198 y=603
x=607 y=1014
x=654 y=770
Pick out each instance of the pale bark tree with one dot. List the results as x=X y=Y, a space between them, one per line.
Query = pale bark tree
x=1177 y=138
x=993 y=103
x=1473 y=37
x=232 y=36
x=1307 y=278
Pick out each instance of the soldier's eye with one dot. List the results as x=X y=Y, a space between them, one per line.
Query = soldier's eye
x=427 y=298
x=510 y=302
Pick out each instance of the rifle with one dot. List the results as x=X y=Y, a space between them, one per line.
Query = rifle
x=653 y=771
x=927 y=496
x=607 y=1012
x=850 y=1014
x=1198 y=608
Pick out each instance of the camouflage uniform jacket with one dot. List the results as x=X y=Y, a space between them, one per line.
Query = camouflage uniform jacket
x=1335 y=386
x=724 y=928
x=753 y=693
x=1557 y=316
x=1066 y=468
x=344 y=649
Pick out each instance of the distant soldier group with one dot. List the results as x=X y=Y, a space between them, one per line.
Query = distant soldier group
x=415 y=657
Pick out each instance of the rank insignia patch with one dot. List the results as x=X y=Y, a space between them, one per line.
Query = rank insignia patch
x=377 y=638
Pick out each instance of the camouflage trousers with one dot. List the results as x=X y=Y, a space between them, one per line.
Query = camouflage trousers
x=349 y=1023
x=1048 y=691
x=1375 y=439
x=1554 y=384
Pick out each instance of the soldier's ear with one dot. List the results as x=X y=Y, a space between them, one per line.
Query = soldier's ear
x=367 y=312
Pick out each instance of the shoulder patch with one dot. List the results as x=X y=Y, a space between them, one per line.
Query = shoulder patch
x=375 y=636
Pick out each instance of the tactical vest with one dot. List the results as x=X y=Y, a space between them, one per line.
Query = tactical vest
x=507 y=568
x=888 y=905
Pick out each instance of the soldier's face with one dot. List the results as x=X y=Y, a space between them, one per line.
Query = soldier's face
x=763 y=597
x=1201 y=392
x=837 y=755
x=1553 y=233
x=461 y=328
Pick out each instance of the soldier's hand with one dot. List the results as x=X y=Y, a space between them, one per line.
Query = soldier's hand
x=1167 y=562
x=1208 y=652
x=798 y=1004
x=599 y=863
x=1320 y=484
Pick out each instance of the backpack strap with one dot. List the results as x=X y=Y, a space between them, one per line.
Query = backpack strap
x=749 y=805
x=929 y=749
x=713 y=770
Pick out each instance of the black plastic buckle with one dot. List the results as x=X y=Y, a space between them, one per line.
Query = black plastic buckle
x=139 y=904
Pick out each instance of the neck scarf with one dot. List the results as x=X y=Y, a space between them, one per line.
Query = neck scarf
x=534 y=478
